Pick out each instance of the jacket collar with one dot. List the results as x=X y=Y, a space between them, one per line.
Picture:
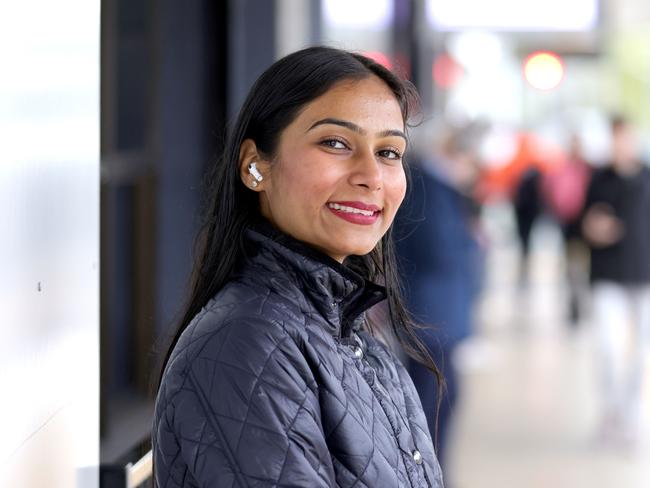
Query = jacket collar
x=338 y=293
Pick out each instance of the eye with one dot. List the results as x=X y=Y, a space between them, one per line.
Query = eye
x=393 y=154
x=334 y=143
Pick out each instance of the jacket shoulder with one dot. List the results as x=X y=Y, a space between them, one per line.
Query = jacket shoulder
x=239 y=383
x=236 y=326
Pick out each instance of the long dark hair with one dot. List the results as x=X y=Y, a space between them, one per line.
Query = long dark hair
x=272 y=104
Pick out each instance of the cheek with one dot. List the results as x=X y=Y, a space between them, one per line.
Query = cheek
x=315 y=180
x=305 y=186
x=396 y=187
x=310 y=185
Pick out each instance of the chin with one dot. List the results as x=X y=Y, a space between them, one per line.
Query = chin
x=350 y=247
x=360 y=250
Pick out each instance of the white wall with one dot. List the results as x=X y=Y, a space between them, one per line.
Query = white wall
x=49 y=243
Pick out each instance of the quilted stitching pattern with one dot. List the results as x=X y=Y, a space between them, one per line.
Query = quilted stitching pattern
x=264 y=389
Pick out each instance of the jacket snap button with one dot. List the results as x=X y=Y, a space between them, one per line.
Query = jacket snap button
x=358 y=352
x=417 y=457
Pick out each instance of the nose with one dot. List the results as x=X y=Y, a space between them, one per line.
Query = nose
x=367 y=171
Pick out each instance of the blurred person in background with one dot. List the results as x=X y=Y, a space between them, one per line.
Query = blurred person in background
x=276 y=376
x=440 y=258
x=527 y=204
x=564 y=189
x=616 y=225
x=527 y=200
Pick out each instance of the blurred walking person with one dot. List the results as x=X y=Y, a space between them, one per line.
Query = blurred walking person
x=616 y=225
x=440 y=262
x=565 y=189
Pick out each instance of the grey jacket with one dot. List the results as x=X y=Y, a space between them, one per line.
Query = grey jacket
x=275 y=384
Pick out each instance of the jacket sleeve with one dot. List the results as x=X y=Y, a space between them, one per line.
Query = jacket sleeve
x=245 y=412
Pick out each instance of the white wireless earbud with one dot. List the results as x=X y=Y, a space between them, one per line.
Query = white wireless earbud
x=252 y=169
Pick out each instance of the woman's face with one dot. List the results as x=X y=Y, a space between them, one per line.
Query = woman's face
x=337 y=179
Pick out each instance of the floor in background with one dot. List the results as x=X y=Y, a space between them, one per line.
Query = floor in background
x=528 y=414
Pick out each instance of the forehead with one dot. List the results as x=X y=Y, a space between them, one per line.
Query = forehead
x=368 y=102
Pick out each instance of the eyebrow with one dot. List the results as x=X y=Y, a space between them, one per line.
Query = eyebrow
x=355 y=128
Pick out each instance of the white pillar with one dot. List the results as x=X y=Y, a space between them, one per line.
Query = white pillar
x=49 y=243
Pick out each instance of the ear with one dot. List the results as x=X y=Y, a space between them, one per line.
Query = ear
x=248 y=154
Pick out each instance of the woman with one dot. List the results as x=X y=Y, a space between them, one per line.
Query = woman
x=276 y=378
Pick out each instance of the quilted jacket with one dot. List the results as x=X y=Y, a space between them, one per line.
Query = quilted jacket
x=276 y=384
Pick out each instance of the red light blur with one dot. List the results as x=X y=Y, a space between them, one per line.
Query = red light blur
x=379 y=57
x=446 y=72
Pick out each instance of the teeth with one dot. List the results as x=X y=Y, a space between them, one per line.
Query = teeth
x=343 y=208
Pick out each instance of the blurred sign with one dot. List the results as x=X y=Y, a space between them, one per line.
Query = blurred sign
x=514 y=15
x=359 y=14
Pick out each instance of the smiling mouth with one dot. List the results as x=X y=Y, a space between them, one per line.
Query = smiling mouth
x=368 y=212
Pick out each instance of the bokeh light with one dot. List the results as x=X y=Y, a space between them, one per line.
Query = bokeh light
x=544 y=70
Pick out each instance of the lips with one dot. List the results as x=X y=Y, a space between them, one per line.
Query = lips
x=355 y=212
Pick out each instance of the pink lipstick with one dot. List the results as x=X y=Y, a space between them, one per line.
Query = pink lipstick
x=355 y=212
